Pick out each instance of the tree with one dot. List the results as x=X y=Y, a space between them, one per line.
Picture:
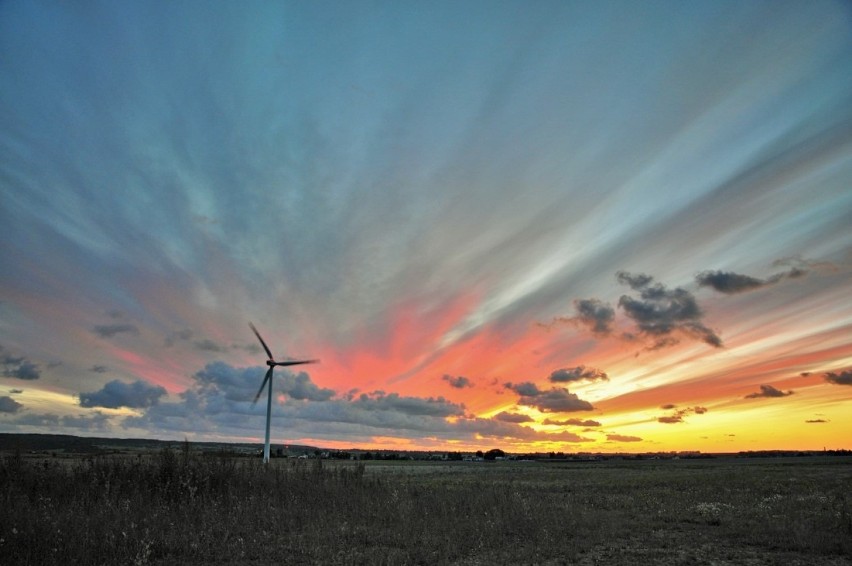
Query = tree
x=494 y=453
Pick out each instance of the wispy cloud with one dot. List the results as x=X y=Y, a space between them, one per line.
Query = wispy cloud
x=112 y=330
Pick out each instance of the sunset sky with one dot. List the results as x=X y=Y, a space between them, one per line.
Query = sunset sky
x=568 y=226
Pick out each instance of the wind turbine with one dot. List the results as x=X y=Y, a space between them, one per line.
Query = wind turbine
x=271 y=363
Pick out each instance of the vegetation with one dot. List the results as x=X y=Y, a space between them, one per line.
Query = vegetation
x=179 y=507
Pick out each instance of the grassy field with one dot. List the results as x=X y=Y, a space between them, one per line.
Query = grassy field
x=179 y=508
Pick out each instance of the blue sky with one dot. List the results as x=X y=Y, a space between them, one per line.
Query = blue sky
x=418 y=191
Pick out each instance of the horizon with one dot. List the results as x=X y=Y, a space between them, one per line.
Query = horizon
x=558 y=228
x=380 y=452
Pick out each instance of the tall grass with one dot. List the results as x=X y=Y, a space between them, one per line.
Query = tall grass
x=183 y=508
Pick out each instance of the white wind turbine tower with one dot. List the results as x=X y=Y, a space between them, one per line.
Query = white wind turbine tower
x=271 y=363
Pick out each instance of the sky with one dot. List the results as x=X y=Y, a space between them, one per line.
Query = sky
x=554 y=226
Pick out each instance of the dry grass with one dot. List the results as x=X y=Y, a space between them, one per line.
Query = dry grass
x=181 y=508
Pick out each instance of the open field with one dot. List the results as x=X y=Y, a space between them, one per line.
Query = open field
x=175 y=507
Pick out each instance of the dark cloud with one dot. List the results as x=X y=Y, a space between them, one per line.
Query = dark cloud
x=768 y=391
x=9 y=405
x=579 y=373
x=436 y=407
x=728 y=282
x=98 y=369
x=732 y=283
x=18 y=367
x=592 y=314
x=300 y=387
x=219 y=402
x=110 y=330
x=241 y=384
x=507 y=417
x=699 y=410
x=137 y=395
x=525 y=389
x=555 y=400
x=668 y=407
x=572 y=422
x=97 y=422
x=659 y=312
x=595 y=315
x=815 y=421
x=16 y=391
x=623 y=438
x=840 y=378
x=459 y=382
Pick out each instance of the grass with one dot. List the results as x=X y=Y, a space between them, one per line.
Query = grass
x=179 y=508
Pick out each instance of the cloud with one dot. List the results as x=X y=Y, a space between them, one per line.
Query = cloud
x=177 y=335
x=731 y=283
x=9 y=405
x=97 y=422
x=137 y=395
x=623 y=438
x=593 y=314
x=525 y=389
x=219 y=400
x=841 y=378
x=572 y=422
x=110 y=330
x=659 y=312
x=578 y=373
x=436 y=407
x=678 y=415
x=16 y=391
x=208 y=345
x=815 y=421
x=18 y=367
x=597 y=316
x=728 y=282
x=768 y=391
x=241 y=384
x=555 y=400
x=507 y=417
x=98 y=369
x=459 y=382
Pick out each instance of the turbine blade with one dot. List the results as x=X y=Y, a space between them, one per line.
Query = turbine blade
x=262 y=385
x=296 y=362
x=265 y=347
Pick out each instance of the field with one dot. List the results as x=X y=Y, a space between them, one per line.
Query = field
x=177 y=507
